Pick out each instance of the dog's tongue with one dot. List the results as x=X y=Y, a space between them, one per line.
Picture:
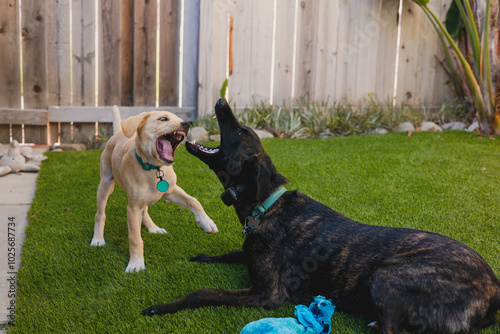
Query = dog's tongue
x=165 y=149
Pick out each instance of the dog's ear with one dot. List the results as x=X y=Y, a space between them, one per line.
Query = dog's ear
x=130 y=125
x=267 y=178
x=263 y=182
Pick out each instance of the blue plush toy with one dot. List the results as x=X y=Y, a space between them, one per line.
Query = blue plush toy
x=315 y=319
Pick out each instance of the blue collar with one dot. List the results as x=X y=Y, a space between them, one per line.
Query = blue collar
x=252 y=221
x=145 y=165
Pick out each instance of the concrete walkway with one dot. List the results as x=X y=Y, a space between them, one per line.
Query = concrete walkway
x=16 y=194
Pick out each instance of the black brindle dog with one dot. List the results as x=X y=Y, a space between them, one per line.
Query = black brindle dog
x=299 y=248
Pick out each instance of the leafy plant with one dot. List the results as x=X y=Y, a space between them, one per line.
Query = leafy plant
x=313 y=119
x=95 y=142
x=471 y=70
x=223 y=88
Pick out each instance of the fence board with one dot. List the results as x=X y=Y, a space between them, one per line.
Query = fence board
x=346 y=53
x=58 y=52
x=104 y=114
x=190 y=56
x=239 y=79
x=33 y=33
x=109 y=60
x=427 y=64
x=442 y=91
x=327 y=14
x=220 y=59
x=284 y=39
x=206 y=55
x=367 y=49
x=213 y=53
x=306 y=32
x=386 y=51
x=262 y=48
x=409 y=53
x=145 y=53
x=10 y=79
x=83 y=52
x=23 y=116
x=34 y=21
x=127 y=53
x=169 y=52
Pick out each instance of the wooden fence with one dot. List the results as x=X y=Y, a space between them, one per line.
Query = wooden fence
x=64 y=62
x=339 y=50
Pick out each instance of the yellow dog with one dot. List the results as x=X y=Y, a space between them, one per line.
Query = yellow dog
x=139 y=156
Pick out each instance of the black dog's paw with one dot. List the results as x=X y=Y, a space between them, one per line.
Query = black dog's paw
x=202 y=258
x=149 y=312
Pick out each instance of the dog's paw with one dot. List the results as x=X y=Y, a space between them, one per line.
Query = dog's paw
x=97 y=242
x=202 y=258
x=135 y=265
x=206 y=223
x=149 y=312
x=157 y=230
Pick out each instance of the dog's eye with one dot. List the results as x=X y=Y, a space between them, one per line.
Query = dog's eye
x=163 y=119
x=240 y=132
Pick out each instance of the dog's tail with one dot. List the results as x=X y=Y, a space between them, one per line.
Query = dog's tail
x=117 y=120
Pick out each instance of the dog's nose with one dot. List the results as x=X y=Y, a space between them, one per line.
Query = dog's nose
x=185 y=125
x=222 y=102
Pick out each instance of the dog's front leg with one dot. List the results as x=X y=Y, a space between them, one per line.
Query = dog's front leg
x=179 y=196
x=216 y=297
x=134 y=219
x=236 y=256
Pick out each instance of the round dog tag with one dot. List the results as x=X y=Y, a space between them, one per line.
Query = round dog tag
x=162 y=185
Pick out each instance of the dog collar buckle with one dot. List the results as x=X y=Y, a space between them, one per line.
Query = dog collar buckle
x=250 y=224
x=253 y=220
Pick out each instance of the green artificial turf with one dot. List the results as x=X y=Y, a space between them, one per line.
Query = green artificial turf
x=446 y=183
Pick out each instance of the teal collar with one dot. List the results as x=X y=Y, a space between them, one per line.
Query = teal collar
x=162 y=185
x=145 y=165
x=253 y=220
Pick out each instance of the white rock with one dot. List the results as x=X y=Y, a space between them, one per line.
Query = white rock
x=473 y=127
x=198 y=133
x=215 y=137
x=379 y=131
x=263 y=134
x=26 y=151
x=404 y=127
x=4 y=170
x=454 y=126
x=430 y=126
x=13 y=158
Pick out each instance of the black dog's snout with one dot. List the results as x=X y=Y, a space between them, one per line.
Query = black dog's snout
x=185 y=125
x=222 y=102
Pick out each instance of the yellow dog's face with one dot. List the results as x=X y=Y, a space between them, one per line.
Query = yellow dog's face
x=158 y=134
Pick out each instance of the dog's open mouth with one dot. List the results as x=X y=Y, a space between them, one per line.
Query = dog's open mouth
x=203 y=148
x=166 y=145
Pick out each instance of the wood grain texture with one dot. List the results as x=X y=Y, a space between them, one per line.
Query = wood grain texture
x=10 y=77
x=169 y=52
x=23 y=116
x=190 y=55
x=109 y=45
x=127 y=53
x=58 y=53
x=34 y=20
x=145 y=53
